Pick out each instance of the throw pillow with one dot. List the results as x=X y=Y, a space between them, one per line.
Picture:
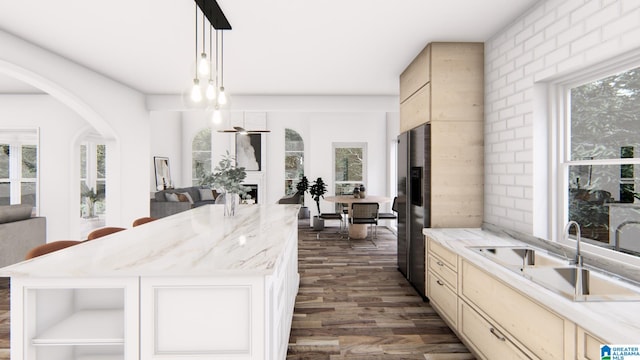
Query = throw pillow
x=187 y=196
x=206 y=194
x=171 y=197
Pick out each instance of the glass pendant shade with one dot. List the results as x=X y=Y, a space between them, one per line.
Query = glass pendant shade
x=216 y=118
x=222 y=97
x=203 y=66
x=211 y=91
x=196 y=94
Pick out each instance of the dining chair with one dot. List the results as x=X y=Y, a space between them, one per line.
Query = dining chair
x=364 y=213
x=391 y=215
x=50 y=247
x=331 y=216
x=143 y=220
x=98 y=233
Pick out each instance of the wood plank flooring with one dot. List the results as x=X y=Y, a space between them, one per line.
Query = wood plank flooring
x=4 y=319
x=353 y=304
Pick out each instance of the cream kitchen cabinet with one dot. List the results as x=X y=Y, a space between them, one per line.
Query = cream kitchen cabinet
x=533 y=329
x=442 y=281
x=444 y=87
x=484 y=337
x=587 y=345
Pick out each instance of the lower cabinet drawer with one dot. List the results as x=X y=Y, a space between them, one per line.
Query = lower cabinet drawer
x=443 y=299
x=486 y=340
x=588 y=346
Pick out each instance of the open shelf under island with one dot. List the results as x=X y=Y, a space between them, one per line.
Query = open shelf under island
x=193 y=285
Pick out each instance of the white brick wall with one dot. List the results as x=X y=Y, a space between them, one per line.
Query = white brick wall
x=553 y=38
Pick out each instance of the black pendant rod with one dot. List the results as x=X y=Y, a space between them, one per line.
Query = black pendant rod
x=214 y=14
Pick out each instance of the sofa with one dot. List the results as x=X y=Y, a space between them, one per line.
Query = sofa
x=19 y=232
x=172 y=201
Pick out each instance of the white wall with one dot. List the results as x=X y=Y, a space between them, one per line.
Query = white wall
x=554 y=38
x=320 y=120
x=115 y=111
x=59 y=127
x=166 y=141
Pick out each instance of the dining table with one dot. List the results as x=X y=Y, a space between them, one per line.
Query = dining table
x=357 y=231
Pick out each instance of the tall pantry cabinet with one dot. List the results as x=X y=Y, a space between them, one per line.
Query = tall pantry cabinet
x=444 y=86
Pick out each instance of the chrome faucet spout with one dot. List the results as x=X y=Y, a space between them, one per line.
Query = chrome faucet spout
x=578 y=259
x=616 y=244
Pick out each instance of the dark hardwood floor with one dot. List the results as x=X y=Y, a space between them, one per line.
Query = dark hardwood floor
x=4 y=319
x=353 y=304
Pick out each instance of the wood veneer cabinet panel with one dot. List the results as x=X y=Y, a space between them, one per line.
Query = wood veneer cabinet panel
x=457 y=81
x=588 y=346
x=457 y=173
x=416 y=75
x=416 y=110
x=528 y=325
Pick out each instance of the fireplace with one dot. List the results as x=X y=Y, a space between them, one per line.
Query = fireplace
x=253 y=192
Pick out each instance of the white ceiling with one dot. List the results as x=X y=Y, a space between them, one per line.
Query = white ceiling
x=299 y=47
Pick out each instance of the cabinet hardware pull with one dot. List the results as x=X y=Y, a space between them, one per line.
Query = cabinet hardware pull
x=439 y=282
x=439 y=263
x=496 y=332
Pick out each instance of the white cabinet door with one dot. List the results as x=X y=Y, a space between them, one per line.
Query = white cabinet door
x=203 y=318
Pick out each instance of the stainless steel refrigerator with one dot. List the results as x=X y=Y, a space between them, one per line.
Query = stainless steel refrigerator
x=413 y=203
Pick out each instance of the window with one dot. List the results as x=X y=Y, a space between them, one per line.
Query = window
x=601 y=154
x=349 y=164
x=293 y=160
x=93 y=179
x=18 y=167
x=200 y=155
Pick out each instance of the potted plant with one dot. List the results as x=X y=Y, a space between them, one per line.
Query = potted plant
x=227 y=178
x=303 y=186
x=317 y=191
x=91 y=197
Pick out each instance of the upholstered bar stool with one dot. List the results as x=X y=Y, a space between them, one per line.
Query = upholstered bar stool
x=98 y=233
x=50 y=247
x=143 y=220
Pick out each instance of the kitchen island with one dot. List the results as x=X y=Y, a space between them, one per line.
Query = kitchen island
x=193 y=285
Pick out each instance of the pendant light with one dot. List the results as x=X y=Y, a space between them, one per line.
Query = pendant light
x=211 y=87
x=216 y=117
x=203 y=66
x=196 y=94
x=222 y=97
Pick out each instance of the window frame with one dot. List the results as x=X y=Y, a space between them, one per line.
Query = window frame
x=294 y=182
x=16 y=139
x=365 y=160
x=195 y=181
x=559 y=144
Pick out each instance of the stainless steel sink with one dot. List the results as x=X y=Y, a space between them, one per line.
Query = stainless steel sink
x=555 y=273
x=582 y=284
x=519 y=256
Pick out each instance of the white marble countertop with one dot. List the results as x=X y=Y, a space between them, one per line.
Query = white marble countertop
x=617 y=322
x=198 y=242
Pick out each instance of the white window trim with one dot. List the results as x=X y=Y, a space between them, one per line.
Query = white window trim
x=16 y=138
x=559 y=151
x=365 y=160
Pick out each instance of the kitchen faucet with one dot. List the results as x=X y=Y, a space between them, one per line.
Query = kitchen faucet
x=578 y=259
x=619 y=232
